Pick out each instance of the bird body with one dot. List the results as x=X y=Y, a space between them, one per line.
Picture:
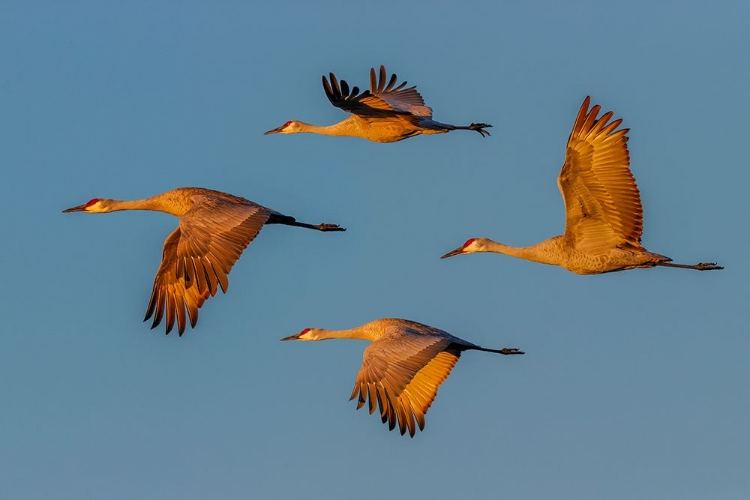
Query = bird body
x=604 y=215
x=214 y=229
x=560 y=251
x=385 y=113
x=380 y=129
x=403 y=368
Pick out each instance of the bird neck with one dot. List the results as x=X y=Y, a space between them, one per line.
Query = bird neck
x=343 y=128
x=117 y=205
x=159 y=203
x=361 y=333
x=546 y=252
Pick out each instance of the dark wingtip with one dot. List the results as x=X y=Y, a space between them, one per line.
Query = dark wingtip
x=335 y=86
x=373 y=81
x=383 y=75
x=157 y=322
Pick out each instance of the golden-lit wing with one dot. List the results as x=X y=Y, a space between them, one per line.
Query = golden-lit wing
x=383 y=99
x=199 y=255
x=171 y=294
x=602 y=202
x=401 y=374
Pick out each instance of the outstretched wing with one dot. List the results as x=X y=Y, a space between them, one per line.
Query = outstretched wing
x=383 y=99
x=198 y=257
x=602 y=202
x=401 y=374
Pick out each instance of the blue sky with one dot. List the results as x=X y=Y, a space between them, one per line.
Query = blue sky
x=634 y=384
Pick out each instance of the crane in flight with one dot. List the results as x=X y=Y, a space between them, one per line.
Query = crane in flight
x=402 y=368
x=385 y=113
x=603 y=211
x=214 y=229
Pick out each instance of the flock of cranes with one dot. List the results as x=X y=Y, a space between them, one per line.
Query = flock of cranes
x=407 y=361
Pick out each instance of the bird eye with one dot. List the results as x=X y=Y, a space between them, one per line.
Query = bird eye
x=92 y=202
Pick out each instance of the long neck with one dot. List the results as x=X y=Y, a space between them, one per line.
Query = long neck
x=174 y=205
x=115 y=205
x=342 y=128
x=361 y=333
x=546 y=252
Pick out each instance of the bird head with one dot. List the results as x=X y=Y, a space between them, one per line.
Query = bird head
x=93 y=206
x=306 y=334
x=472 y=245
x=290 y=127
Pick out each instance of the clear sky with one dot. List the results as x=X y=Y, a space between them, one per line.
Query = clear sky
x=634 y=385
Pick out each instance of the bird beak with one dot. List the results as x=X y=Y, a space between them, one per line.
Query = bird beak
x=457 y=251
x=79 y=208
x=274 y=131
x=291 y=337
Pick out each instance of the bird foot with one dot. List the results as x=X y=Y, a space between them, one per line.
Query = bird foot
x=480 y=127
x=510 y=350
x=708 y=266
x=329 y=227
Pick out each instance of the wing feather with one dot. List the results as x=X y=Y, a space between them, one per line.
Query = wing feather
x=381 y=100
x=198 y=256
x=602 y=202
x=401 y=373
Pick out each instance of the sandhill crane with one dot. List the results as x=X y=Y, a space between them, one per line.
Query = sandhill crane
x=402 y=369
x=214 y=229
x=384 y=113
x=604 y=216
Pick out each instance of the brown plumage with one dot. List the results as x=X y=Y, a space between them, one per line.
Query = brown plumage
x=214 y=230
x=603 y=212
x=402 y=369
x=385 y=113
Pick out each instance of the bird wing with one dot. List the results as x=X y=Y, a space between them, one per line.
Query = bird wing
x=381 y=100
x=401 y=373
x=602 y=203
x=199 y=255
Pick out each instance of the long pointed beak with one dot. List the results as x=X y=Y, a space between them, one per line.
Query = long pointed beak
x=457 y=251
x=274 y=131
x=291 y=337
x=79 y=208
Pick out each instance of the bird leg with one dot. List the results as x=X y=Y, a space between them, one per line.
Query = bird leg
x=478 y=127
x=319 y=227
x=329 y=227
x=702 y=266
x=505 y=350
x=275 y=218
